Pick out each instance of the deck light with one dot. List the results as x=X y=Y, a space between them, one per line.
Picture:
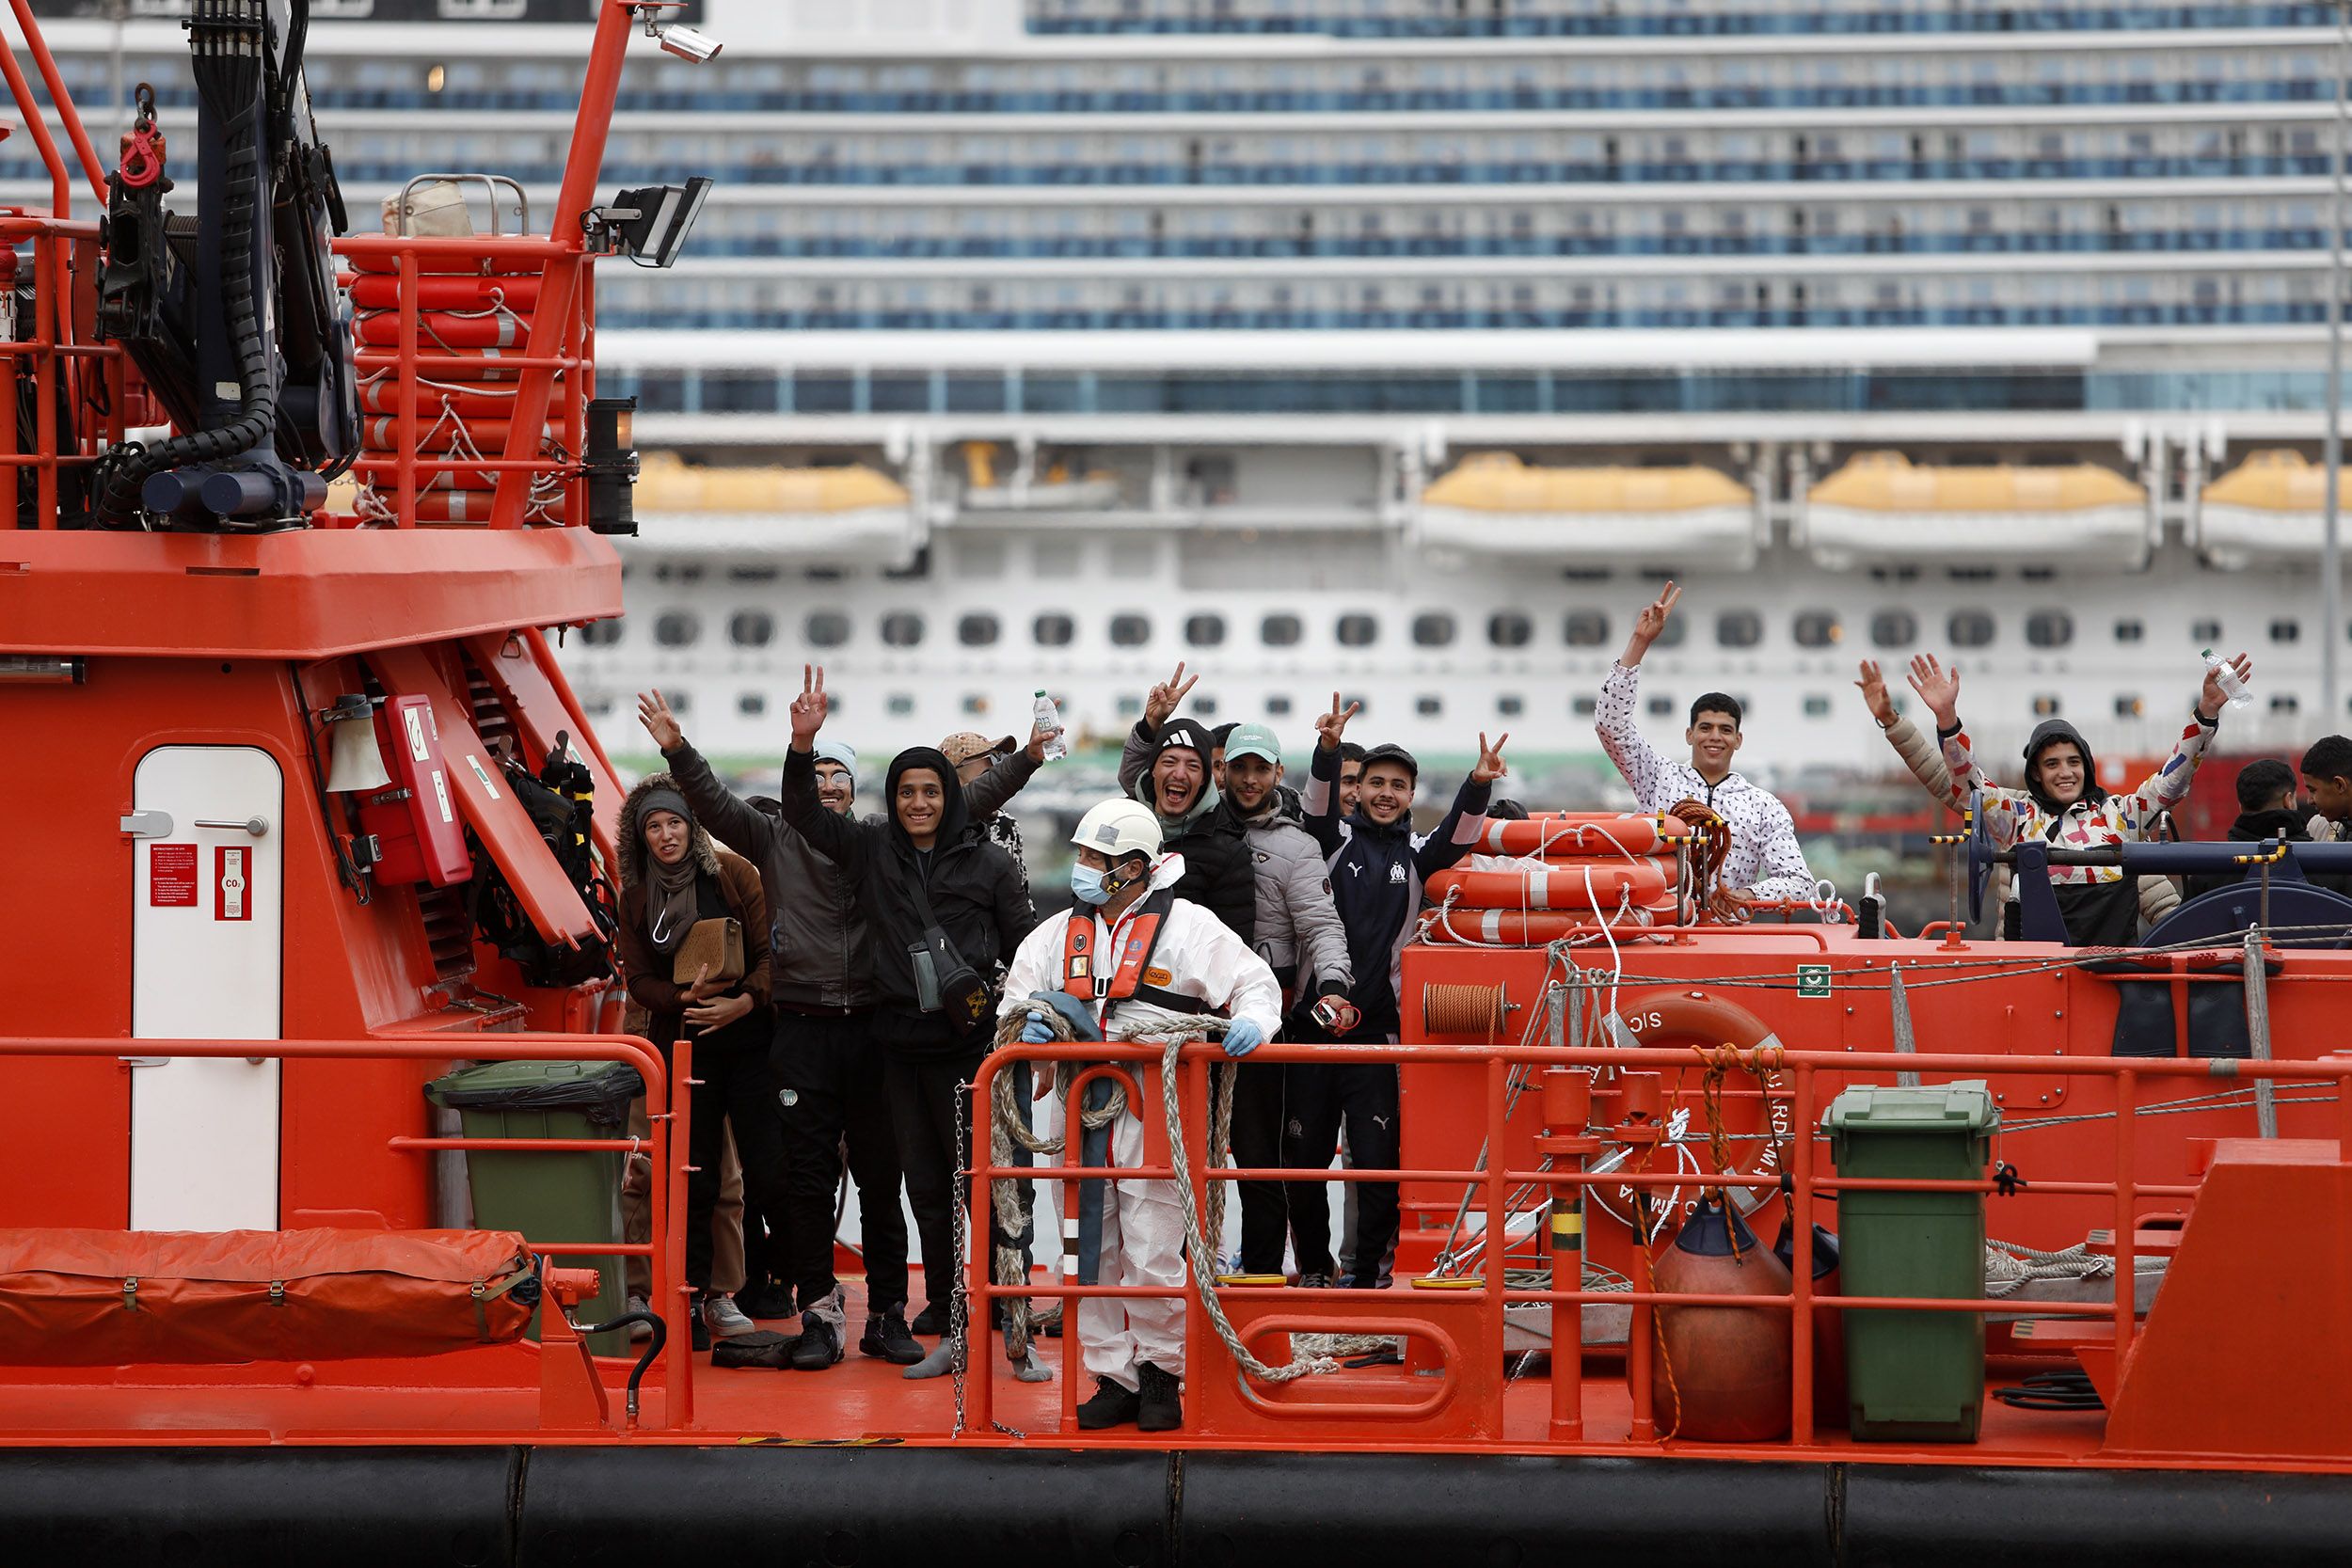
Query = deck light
x=649 y=225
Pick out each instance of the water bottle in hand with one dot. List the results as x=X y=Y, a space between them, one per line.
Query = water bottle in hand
x=2226 y=677
x=1048 y=719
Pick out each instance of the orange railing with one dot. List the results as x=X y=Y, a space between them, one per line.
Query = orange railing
x=1799 y=1076
x=665 y=1085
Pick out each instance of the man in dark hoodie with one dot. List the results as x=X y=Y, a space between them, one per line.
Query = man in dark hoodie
x=2267 y=809
x=824 y=1056
x=1168 y=765
x=1378 y=865
x=924 y=868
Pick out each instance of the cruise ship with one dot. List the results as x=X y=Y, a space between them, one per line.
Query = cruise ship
x=1403 y=347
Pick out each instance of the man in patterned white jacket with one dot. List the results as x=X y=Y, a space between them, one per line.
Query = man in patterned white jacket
x=1765 y=860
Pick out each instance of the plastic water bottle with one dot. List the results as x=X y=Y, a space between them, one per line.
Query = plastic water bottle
x=2225 y=676
x=1049 y=719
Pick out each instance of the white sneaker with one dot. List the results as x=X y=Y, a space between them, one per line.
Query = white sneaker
x=639 y=1331
x=726 y=1320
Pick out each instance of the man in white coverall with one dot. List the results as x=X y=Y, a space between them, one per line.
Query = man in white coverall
x=1132 y=955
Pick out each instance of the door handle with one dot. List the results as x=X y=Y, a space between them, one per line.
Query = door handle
x=142 y=1061
x=148 y=824
x=257 y=826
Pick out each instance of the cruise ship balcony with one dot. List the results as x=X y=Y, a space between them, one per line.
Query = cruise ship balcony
x=1881 y=508
x=2268 y=509
x=1492 y=503
x=781 y=512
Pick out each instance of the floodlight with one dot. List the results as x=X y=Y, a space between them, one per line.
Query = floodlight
x=649 y=225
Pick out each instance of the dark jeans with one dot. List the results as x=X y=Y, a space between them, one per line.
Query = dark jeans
x=1318 y=1098
x=831 y=1074
x=732 y=1086
x=925 y=1108
x=1258 y=1100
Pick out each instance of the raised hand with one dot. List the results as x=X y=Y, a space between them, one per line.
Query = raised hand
x=1650 y=623
x=809 y=707
x=1331 y=727
x=1160 y=705
x=1039 y=735
x=1938 y=688
x=1874 y=697
x=660 y=723
x=2210 y=699
x=1490 y=764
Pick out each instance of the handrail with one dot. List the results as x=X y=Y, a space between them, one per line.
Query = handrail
x=664 y=1087
x=1492 y=1292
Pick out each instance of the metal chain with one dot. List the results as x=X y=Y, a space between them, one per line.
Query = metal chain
x=958 y=1307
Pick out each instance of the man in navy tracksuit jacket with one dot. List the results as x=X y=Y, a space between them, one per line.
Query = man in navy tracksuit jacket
x=1378 y=865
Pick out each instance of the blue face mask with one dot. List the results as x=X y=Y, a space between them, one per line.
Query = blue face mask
x=1087 y=884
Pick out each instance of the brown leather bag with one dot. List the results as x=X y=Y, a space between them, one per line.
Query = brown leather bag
x=717 y=943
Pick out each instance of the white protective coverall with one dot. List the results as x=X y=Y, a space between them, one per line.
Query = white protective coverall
x=1143 y=1222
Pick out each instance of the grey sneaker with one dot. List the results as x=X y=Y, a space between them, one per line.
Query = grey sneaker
x=726 y=1320
x=638 y=1331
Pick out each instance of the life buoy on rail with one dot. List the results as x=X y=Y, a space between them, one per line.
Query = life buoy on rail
x=1585 y=834
x=1536 y=928
x=1758 y=1126
x=1590 y=884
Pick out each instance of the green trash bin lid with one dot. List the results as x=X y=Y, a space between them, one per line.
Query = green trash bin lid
x=1964 y=1107
x=598 y=1090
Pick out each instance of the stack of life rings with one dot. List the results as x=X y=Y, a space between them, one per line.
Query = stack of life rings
x=1561 y=877
x=465 y=310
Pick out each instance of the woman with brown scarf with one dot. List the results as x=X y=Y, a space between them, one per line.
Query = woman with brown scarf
x=672 y=878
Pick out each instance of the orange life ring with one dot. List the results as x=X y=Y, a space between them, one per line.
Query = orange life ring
x=1757 y=1135
x=1533 y=927
x=1585 y=884
x=1564 y=834
x=447 y=291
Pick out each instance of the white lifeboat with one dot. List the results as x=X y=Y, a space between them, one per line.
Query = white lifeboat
x=2269 y=508
x=1883 y=507
x=690 y=509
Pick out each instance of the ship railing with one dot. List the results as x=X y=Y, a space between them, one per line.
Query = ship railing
x=664 y=1087
x=1434 y=1309
x=88 y=374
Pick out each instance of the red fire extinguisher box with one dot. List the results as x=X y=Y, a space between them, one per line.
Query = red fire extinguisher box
x=419 y=835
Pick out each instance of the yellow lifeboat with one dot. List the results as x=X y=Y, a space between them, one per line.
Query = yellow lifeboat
x=1495 y=504
x=1883 y=507
x=2269 y=506
x=693 y=507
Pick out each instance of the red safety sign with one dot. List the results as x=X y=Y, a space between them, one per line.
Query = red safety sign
x=172 y=875
x=232 y=882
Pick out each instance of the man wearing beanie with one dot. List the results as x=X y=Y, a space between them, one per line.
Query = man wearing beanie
x=1169 y=765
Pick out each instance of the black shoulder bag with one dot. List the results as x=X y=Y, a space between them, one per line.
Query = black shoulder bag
x=943 y=981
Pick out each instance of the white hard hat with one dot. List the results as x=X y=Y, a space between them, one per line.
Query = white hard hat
x=1117 y=829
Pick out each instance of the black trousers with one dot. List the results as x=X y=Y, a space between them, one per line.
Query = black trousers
x=1258 y=1100
x=926 y=1108
x=830 y=1074
x=733 y=1087
x=1317 y=1099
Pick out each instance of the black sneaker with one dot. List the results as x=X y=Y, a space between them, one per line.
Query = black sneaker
x=886 y=1338
x=932 y=1320
x=771 y=1299
x=700 y=1334
x=1314 y=1281
x=819 y=1345
x=1160 y=1405
x=1111 y=1406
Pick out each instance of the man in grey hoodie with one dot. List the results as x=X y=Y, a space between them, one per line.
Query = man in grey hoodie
x=1300 y=938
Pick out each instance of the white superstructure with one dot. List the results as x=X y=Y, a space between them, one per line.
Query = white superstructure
x=1400 y=346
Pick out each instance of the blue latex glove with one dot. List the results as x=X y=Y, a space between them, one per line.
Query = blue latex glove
x=1242 y=1037
x=1037 y=1032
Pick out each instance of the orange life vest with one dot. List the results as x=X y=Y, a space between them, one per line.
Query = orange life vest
x=1126 y=973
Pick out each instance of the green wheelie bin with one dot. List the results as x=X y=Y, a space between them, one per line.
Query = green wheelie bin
x=1912 y=1376
x=551 y=1196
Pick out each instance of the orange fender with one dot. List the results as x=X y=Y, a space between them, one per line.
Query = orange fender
x=1594 y=885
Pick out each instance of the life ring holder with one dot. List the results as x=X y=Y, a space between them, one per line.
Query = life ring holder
x=1758 y=1126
